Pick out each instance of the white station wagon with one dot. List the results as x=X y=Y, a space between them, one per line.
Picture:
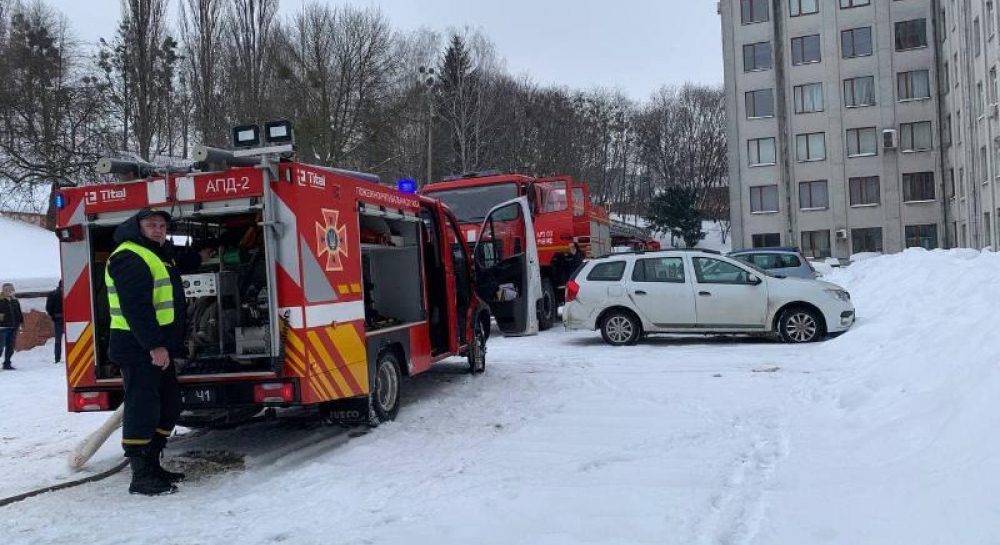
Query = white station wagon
x=697 y=291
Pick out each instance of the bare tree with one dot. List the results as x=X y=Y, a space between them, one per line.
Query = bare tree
x=202 y=26
x=247 y=66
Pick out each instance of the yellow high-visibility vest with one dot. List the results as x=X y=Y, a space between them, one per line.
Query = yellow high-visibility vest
x=163 y=291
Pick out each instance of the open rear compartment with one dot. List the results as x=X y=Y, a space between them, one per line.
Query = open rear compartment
x=226 y=296
x=391 y=272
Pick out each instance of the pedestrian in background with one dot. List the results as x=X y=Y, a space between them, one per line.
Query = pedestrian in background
x=10 y=323
x=54 y=308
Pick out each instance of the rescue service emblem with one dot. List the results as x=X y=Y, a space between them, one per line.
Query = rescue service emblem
x=331 y=240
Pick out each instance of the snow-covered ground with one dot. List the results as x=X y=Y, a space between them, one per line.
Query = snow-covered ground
x=30 y=256
x=886 y=434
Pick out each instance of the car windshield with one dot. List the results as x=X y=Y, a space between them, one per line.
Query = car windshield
x=471 y=204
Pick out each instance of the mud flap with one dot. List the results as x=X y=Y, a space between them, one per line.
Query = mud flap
x=348 y=412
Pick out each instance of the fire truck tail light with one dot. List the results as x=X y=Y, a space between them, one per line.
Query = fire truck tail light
x=572 y=289
x=91 y=401
x=274 y=392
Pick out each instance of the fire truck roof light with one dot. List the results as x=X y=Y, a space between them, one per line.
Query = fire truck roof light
x=60 y=200
x=246 y=136
x=406 y=185
x=279 y=132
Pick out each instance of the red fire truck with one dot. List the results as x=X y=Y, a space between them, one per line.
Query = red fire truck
x=562 y=212
x=327 y=289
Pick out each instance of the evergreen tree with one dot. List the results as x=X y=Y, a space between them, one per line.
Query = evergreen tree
x=676 y=210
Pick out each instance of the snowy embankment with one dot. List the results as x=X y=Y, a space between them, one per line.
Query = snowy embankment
x=30 y=256
x=886 y=434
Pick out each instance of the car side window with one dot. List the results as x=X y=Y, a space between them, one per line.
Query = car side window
x=661 y=269
x=790 y=261
x=715 y=271
x=611 y=271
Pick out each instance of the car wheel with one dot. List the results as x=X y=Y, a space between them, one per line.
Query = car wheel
x=620 y=328
x=800 y=325
x=547 y=307
x=385 y=395
x=477 y=351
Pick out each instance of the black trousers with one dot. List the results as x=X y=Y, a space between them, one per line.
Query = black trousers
x=152 y=405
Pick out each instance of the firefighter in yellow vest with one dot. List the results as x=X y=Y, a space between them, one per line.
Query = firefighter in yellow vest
x=146 y=302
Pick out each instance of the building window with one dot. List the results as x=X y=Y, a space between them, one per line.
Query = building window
x=816 y=244
x=753 y=11
x=805 y=49
x=757 y=57
x=989 y=19
x=955 y=65
x=993 y=85
x=862 y=142
x=913 y=85
x=766 y=240
x=987 y=231
x=918 y=186
x=958 y=126
x=802 y=7
x=808 y=98
x=866 y=240
x=813 y=195
x=951 y=183
x=859 y=92
x=980 y=100
x=856 y=42
x=944 y=27
x=810 y=147
x=844 y=4
x=864 y=191
x=984 y=169
x=921 y=236
x=977 y=44
x=961 y=182
x=764 y=198
x=911 y=34
x=945 y=74
x=946 y=133
x=915 y=136
x=761 y=151
x=760 y=103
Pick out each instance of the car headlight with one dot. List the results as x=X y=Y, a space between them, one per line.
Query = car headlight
x=843 y=295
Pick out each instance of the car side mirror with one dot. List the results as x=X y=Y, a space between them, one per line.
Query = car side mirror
x=754 y=280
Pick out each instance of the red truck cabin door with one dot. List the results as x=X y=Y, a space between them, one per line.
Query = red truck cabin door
x=508 y=277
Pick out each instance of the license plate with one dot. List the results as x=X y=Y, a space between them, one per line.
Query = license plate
x=198 y=396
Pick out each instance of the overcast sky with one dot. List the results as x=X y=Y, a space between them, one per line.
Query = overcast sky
x=632 y=45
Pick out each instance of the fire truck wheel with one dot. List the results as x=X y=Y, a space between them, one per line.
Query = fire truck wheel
x=477 y=352
x=385 y=395
x=547 y=306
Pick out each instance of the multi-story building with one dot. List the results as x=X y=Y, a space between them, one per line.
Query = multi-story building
x=836 y=143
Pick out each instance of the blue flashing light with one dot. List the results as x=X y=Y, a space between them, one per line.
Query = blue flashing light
x=60 y=201
x=406 y=185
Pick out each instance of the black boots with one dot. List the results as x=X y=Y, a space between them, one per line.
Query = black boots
x=146 y=480
x=154 y=461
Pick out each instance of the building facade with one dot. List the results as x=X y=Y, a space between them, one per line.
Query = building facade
x=837 y=133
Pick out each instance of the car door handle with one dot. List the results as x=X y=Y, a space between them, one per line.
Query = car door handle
x=705 y=293
x=640 y=292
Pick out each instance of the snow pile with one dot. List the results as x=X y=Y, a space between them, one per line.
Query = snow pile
x=901 y=444
x=30 y=256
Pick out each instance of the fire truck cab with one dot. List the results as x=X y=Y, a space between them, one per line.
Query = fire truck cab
x=326 y=289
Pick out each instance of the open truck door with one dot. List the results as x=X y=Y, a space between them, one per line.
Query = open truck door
x=508 y=277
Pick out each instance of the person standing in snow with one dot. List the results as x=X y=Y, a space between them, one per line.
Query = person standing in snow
x=54 y=308
x=11 y=320
x=146 y=301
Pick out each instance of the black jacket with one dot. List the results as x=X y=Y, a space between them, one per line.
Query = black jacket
x=54 y=304
x=10 y=309
x=134 y=284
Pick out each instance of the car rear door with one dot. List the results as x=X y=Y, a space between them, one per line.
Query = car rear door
x=728 y=295
x=663 y=292
x=508 y=277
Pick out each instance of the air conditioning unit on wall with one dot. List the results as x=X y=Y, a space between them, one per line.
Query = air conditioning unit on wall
x=841 y=234
x=889 y=139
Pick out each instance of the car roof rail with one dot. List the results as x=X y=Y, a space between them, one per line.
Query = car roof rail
x=768 y=249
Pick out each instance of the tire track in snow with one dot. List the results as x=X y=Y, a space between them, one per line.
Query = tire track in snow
x=738 y=509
